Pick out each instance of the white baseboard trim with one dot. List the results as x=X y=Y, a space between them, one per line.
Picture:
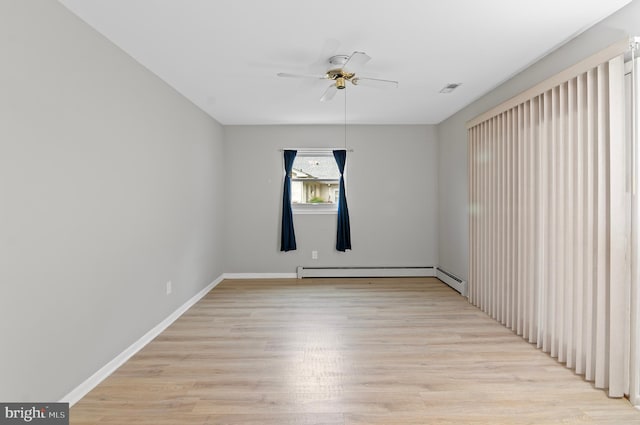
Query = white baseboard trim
x=94 y=380
x=90 y=383
x=259 y=276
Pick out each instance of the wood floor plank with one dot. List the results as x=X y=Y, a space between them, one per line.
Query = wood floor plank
x=343 y=352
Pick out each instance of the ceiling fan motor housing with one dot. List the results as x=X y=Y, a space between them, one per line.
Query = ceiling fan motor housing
x=340 y=77
x=338 y=60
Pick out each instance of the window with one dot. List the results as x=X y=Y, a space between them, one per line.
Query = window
x=315 y=183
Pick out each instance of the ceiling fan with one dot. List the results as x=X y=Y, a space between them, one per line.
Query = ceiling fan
x=343 y=69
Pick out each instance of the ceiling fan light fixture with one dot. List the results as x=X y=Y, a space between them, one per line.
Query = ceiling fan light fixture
x=340 y=83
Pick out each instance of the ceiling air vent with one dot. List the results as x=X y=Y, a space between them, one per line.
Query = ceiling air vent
x=450 y=87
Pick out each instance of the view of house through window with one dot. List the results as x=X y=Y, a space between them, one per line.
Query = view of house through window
x=315 y=181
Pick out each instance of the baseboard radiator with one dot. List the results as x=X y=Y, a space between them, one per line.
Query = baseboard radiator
x=366 y=272
x=454 y=282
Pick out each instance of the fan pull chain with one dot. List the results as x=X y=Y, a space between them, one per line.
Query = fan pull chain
x=345 y=118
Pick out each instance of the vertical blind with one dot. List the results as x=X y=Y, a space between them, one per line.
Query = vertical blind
x=548 y=227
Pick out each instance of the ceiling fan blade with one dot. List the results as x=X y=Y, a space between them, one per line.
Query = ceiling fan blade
x=374 y=82
x=315 y=77
x=329 y=93
x=356 y=61
x=328 y=50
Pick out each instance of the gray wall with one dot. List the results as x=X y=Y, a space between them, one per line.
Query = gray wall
x=452 y=137
x=391 y=193
x=110 y=185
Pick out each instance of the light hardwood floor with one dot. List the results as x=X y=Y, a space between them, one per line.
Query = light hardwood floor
x=347 y=352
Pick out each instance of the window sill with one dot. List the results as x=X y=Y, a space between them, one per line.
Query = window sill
x=314 y=209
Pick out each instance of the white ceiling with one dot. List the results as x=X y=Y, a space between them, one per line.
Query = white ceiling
x=224 y=54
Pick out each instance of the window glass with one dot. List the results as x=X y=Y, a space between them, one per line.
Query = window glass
x=315 y=180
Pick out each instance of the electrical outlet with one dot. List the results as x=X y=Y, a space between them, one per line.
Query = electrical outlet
x=169 y=288
x=314 y=255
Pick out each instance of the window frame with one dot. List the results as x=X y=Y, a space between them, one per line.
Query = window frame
x=319 y=208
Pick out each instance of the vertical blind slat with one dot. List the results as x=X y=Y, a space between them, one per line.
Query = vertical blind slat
x=486 y=293
x=589 y=316
x=520 y=239
x=471 y=179
x=542 y=221
x=571 y=161
x=533 y=214
x=602 y=180
x=508 y=220
x=524 y=227
x=505 y=212
x=494 y=217
x=513 y=304
x=560 y=229
x=580 y=274
x=618 y=385
x=553 y=226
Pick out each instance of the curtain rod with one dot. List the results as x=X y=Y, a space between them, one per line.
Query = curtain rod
x=314 y=149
